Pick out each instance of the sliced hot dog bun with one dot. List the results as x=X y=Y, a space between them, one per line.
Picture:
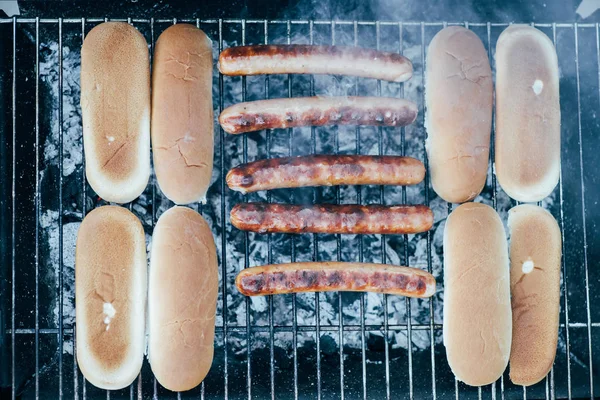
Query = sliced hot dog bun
x=459 y=96
x=182 y=113
x=527 y=114
x=115 y=107
x=182 y=301
x=535 y=252
x=110 y=285
x=477 y=312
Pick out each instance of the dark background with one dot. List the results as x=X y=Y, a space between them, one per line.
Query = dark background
x=411 y=10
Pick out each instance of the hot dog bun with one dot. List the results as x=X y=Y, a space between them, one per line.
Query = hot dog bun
x=110 y=285
x=115 y=108
x=535 y=250
x=527 y=114
x=459 y=96
x=182 y=113
x=182 y=299
x=477 y=313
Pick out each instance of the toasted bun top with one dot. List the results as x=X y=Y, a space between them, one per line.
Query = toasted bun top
x=527 y=114
x=182 y=113
x=459 y=97
x=110 y=264
x=535 y=255
x=477 y=311
x=115 y=102
x=183 y=290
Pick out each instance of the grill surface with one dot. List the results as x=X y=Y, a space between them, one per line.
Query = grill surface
x=270 y=349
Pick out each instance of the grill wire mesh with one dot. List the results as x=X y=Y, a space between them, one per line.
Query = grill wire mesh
x=292 y=346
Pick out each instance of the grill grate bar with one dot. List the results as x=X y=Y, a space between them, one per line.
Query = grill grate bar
x=14 y=134
x=60 y=211
x=293 y=22
x=427 y=184
x=338 y=239
x=550 y=382
x=449 y=207
x=223 y=230
x=360 y=237
x=269 y=243
x=154 y=182
x=313 y=138
x=37 y=207
x=407 y=300
x=83 y=209
x=386 y=347
x=292 y=241
x=493 y=164
x=403 y=192
x=301 y=328
x=583 y=213
x=200 y=209
x=564 y=266
x=247 y=247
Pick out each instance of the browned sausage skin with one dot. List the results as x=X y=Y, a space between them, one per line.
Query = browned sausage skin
x=325 y=170
x=335 y=276
x=310 y=59
x=331 y=218
x=317 y=111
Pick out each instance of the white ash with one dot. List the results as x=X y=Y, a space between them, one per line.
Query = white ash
x=51 y=238
x=71 y=123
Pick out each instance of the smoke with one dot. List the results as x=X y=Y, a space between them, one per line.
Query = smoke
x=433 y=11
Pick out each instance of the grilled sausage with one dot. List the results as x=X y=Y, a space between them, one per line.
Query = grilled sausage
x=325 y=170
x=309 y=59
x=317 y=111
x=331 y=218
x=335 y=276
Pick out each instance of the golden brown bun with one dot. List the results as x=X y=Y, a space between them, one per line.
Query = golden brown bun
x=527 y=114
x=115 y=107
x=459 y=97
x=182 y=300
x=535 y=250
x=477 y=313
x=110 y=284
x=182 y=113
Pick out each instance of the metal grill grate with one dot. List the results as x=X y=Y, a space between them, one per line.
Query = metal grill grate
x=249 y=336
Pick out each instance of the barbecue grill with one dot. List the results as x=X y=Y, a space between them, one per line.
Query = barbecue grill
x=326 y=345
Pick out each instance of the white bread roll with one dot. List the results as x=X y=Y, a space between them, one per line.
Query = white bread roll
x=458 y=96
x=182 y=113
x=115 y=108
x=527 y=114
x=182 y=300
x=477 y=313
x=535 y=251
x=110 y=294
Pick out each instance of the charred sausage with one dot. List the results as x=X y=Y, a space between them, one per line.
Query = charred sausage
x=310 y=59
x=317 y=111
x=335 y=276
x=325 y=170
x=331 y=218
